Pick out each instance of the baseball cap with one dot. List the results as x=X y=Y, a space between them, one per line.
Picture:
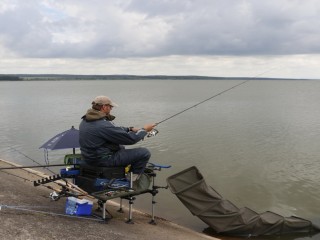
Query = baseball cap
x=103 y=100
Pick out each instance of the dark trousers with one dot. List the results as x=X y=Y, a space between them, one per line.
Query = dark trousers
x=136 y=157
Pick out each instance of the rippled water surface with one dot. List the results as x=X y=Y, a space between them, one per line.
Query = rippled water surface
x=258 y=145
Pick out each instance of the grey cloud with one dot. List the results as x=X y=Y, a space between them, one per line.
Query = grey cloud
x=144 y=28
x=246 y=29
x=21 y=30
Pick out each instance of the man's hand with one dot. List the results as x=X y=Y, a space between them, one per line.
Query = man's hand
x=133 y=129
x=149 y=127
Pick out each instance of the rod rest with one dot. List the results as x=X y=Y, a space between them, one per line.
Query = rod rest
x=46 y=180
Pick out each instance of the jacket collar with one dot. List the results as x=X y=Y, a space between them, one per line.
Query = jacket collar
x=94 y=115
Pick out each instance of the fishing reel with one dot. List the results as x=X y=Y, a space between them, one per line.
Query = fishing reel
x=152 y=133
x=54 y=196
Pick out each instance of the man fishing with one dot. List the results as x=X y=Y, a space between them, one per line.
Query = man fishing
x=101 y=141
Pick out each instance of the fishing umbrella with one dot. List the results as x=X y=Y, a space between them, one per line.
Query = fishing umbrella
x=63 y=140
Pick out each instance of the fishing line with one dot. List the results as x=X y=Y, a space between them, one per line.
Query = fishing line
x=224 y=91
x=27 y=180
x=23 y=167
x=24 y=155
x=11 y=174
x=31 y=159
x=94 y=218
x=216 y=95
x=60 y=191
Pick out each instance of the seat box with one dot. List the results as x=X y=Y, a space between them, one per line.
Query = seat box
x=85 y=183
x=102 y=172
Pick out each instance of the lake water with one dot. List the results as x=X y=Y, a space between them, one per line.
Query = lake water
x=258 y=144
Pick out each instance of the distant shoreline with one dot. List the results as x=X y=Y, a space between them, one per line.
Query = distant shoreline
x=59 y=77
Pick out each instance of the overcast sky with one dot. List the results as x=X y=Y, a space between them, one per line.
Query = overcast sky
x=273 y=38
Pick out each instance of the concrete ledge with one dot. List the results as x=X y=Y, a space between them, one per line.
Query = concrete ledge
x=17 y=224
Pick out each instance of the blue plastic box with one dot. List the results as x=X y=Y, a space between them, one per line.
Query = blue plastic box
x=78 y=207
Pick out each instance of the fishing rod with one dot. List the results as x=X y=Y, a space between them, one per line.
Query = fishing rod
x=37 y=166
x=216 y=95
x=67 y=183
x=66 y=186
x=220 y=93
x=55 y=195
x=31 y=159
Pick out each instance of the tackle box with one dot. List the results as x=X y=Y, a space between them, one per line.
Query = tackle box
x=69 y=172
x=79 y=207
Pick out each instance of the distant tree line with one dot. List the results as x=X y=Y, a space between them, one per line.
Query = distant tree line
x=53 y=77
x=9 y=78
x=45 y=77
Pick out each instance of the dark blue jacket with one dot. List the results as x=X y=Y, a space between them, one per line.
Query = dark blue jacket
x=99 y=136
